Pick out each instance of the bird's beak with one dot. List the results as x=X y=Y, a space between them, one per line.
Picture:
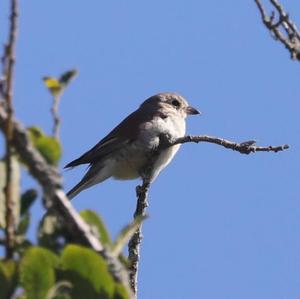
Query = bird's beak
x=191 y=110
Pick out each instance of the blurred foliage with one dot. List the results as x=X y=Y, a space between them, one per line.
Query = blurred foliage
x=51 y=233
x=56 y=86
x=88 y=273
x=126 y=233
x=97 y=225
x=8 y=278
x=37 y=272
x=54 y=267
x=27 y=199
x=48 y=146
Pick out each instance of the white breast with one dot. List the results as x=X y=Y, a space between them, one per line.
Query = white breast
x=174 y=127
x=132 y=158
x=163 y=160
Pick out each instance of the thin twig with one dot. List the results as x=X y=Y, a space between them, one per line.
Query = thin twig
x=245 y=147
x=283 y=29
x=55 y=116
x=135 y=242
x=8 y=61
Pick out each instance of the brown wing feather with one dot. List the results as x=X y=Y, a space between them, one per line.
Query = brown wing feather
x=124 y=133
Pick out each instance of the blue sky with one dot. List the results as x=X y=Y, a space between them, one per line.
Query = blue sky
x=222 y=224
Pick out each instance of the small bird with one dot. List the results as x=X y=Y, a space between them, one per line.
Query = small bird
x=123 y=154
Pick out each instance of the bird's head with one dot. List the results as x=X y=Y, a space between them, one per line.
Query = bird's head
x=170 y=103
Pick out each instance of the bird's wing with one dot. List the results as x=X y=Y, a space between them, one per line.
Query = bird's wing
x=125 y=133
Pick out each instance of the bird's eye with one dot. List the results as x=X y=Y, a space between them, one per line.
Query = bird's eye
x=175 y=103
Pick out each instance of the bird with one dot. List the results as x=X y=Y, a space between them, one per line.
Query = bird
x=124 y=153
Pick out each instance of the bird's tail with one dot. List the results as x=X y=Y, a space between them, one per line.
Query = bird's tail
x=96 y=174
x=77 y=189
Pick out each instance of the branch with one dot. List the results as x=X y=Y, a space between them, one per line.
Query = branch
x=55 y=198
x=135 y=242
x=8 y=62
x=283 y=30
x=246 y=147
x=55 y=116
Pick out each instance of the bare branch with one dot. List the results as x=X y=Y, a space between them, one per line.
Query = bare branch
x=283 y=30
x=140 y=211
x=246 y=147
x=135 y=242
x=8 y=62
x=55 y=116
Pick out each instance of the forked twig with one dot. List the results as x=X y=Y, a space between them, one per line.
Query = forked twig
x=283 y=30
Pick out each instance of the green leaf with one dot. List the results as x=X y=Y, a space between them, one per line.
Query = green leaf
x=120 y=292
x=37 y=272
x=66 y=77
x=8 y=278
x=125 y=235
x=15 y=191
x=57 y=86
x=97 y=224
x=27 y=199
x=53 y=85
x=35 y=133
x=50 y=232
x=22 y=245
x=60 y=290
x=88 y=273
x=48 y=146
x=23 y=224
